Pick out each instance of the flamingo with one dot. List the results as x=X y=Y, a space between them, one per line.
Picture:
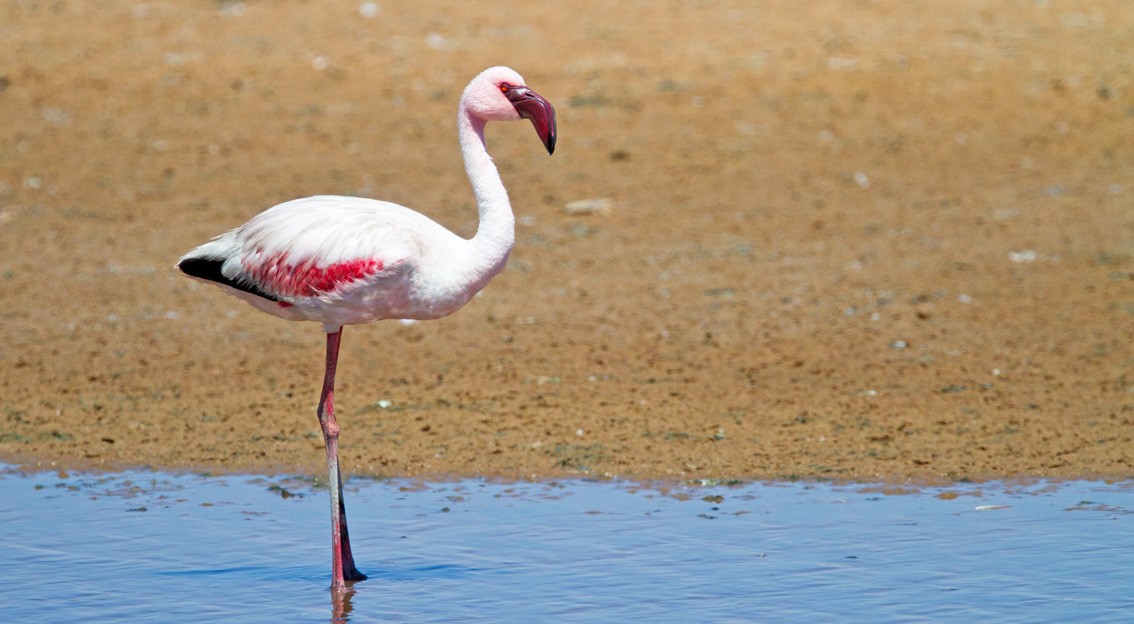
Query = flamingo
x=349 y=260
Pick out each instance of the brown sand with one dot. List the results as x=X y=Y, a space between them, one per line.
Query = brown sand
x=869 y=240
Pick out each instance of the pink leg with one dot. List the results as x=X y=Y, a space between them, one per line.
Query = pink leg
x=342 y=561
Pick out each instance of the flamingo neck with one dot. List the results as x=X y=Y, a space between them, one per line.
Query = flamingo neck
x=496 y=231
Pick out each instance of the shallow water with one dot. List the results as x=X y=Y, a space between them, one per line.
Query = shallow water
x=156 y=547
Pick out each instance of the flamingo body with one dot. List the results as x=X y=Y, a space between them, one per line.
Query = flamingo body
x=345 y=261
x=348 y=260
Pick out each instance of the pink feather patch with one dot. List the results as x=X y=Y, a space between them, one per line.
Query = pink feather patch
x=278 y=276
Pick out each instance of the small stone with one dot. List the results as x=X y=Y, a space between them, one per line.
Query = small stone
x=369 y=10
x=600 y=206
x=1022 y=257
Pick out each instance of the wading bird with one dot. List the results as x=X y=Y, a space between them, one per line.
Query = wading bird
x=347 y=260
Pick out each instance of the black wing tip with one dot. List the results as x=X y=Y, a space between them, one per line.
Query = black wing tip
x=207 y=269
x=210 y=269
x=203 y=268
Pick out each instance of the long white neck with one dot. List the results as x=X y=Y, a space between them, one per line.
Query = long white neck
x=496 y=232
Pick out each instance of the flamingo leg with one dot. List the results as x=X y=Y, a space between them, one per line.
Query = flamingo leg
x=342 y=561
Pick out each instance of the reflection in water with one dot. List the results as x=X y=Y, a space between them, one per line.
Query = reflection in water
x=210 y=549
x=341 y=604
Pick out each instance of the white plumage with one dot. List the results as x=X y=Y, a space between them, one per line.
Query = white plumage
x=411 y=266
x=301 y=260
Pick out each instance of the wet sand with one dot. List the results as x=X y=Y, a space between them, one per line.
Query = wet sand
x=846 y=241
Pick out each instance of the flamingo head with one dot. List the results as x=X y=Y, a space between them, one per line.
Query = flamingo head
x=499 y=94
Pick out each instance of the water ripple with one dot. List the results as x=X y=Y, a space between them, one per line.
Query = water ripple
x=155 y=547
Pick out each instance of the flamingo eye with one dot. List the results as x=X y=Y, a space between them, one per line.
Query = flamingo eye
x=504 y=87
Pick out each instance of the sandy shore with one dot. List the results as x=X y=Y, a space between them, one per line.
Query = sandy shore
x=868 y=241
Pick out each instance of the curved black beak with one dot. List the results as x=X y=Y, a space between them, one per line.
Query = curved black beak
x=533 y=107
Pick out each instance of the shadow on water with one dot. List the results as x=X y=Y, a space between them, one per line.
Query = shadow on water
x=156 y=547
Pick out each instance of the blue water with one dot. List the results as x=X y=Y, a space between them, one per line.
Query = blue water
x=156 y=547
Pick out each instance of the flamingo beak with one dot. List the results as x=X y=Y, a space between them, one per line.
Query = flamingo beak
x=533 y=107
